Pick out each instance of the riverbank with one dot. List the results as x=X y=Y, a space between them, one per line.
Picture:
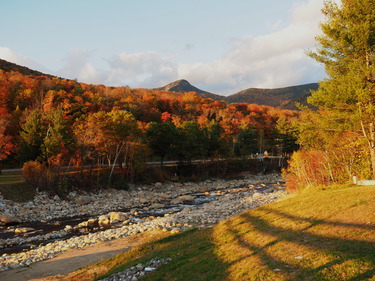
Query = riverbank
x=323 y=233
x=220 y=200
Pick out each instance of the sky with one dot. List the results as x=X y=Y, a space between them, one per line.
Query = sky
x=219 y=46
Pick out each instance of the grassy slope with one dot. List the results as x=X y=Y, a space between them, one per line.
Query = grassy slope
x=325 y=235
x=316 y=235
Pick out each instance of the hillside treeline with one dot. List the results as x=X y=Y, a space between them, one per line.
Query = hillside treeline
x=57 y=122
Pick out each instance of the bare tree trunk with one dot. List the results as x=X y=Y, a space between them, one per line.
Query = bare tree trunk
x=118 y=151
x=370 y=137
x=371 y=142
x=372 y=154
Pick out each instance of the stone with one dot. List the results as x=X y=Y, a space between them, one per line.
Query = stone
x=83 y=200
x=83 y=224
x=116 y=216
x=72 y=194
x=23 y=229
x=257 y=195
x=175 y=230
x=92 y=222
x=186 y=198
x=158 y=184
x=164 y=196
x=68 y=227
x=104 y=220
x=9 y=219
x=157 y=206
x=186 y=210
x=176 y=201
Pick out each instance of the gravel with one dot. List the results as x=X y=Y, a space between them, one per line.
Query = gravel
x=225 y=200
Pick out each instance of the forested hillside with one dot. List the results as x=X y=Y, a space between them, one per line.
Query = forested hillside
x=283 y=98
x=8 y=66
x=59 y=122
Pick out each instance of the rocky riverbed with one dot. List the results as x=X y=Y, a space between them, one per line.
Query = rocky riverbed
x=113 y=214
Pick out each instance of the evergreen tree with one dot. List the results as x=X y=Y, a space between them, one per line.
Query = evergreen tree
x=193 y=143
x=347 y=98
x=57 y=141
x=31 y=137
x=215 y=144
x=162 y=139
x=246 y=142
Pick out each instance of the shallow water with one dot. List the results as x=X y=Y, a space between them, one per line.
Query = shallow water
x=45 y=227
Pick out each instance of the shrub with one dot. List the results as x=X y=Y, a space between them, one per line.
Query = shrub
x=315 y=167
x=306 y=168
x=37 y=174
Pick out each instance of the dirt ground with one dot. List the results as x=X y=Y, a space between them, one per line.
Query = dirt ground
x=64 y=265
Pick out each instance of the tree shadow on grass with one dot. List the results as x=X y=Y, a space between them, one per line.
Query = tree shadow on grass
x=323 y=254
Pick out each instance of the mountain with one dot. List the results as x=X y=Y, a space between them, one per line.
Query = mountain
x=9 y=66
x=183 y=86
x=284 y=98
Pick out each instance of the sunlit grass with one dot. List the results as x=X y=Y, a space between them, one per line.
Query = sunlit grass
x=316 y=233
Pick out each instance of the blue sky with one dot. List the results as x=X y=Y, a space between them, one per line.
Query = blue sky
x=219 y=46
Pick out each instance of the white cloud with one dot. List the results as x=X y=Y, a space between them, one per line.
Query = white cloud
x=273 y=60
x=11 y=56
x=276 y=59
x=77 y=65
x=145 y=69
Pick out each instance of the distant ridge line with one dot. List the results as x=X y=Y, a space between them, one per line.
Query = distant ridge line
x=284 y=98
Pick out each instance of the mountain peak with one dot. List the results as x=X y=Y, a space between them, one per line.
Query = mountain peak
x=183 y=86
x=284 y=98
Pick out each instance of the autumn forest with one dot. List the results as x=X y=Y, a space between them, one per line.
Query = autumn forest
x=49 y=122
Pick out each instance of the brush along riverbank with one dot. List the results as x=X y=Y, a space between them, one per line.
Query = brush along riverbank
x=320 y=234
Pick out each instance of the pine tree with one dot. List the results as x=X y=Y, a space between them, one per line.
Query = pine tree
x=346 y=48
x=57 y=141
x=31 y=137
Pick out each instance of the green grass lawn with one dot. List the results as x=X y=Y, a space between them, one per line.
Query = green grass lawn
x=313 y=235
x=11 y=177
x=13 y=187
